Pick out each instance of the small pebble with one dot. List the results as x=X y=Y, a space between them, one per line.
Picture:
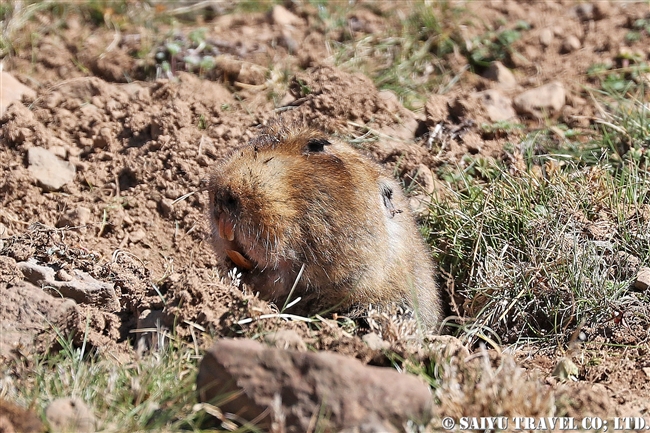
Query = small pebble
x=570 y=44
x=546 y=37
x=642 y=279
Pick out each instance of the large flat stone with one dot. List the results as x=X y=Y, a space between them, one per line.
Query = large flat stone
x=292 y=390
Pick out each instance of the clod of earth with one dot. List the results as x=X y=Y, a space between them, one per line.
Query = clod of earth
x=502 y=75
x=542 y=101
x=283 y=17
x=497 y=106
x=570 y=44
x=288 y=388
x=51 y=172
x=70 y=414
x=77 y=217
x=375 y=342
x=17 y=419
x=546 y=37
x=12 y=90
x=286 y=339
x=566 y=370
x=27 y=313
x=643 y=279
x=81 y=287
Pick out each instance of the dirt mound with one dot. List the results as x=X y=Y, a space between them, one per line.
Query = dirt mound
x=135 y=149
x=115 y=254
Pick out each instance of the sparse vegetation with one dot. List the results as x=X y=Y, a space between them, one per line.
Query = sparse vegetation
x=410 y=59
x=543 y=245
x=538 y=245
x=155 y=392
x=537 y=252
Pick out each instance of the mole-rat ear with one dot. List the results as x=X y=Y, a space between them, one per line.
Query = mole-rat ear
x=315 y=145
x=387 y=197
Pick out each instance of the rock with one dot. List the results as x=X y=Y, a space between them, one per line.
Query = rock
x=423 y=178
x=546 y=37
x=374 y=342
x=75 y=217
x=436 y=109
x=286 y=339
x=566 y=370
x=592 y=11
x=70 y=414
x=642 y=279
x=14 y=418
x=570 y=44
x=583 y=11
x=83 y=288
x=294 y=389
x=241 y=71
x=12 y=90
x=497 y=106
x=36 y=274
x=602 y=10
x=26 y=311
x=86 y=290
x=137 y=235
x=149 y=326
x=48 y=170
x=420 y=204
x=283 y=17
x=9 y=272
x=502 y=75
x=542 y=101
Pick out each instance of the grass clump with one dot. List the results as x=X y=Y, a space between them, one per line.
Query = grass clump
x=408 y=58
x=125 y=393
x=495 y=45
x=533 y=253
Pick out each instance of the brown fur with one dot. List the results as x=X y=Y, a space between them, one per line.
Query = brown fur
x=295 y=196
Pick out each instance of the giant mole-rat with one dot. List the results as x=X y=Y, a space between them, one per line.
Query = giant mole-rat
x=296 y=196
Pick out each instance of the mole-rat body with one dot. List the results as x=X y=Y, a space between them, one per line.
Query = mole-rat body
x=295 y=196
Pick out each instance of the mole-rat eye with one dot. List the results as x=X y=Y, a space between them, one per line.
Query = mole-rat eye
x=316 y=145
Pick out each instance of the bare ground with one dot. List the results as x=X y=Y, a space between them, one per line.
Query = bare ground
x=137 y=146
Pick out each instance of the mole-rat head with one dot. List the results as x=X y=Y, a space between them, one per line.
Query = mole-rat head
x=289 y=196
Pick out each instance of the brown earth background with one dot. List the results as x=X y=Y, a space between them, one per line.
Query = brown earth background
x=117 y=251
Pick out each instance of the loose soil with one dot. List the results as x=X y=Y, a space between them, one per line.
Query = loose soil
x=139 y=145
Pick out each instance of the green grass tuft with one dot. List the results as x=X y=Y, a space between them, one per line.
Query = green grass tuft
x=155 y=392
x=409 y=58
x=533 y=253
